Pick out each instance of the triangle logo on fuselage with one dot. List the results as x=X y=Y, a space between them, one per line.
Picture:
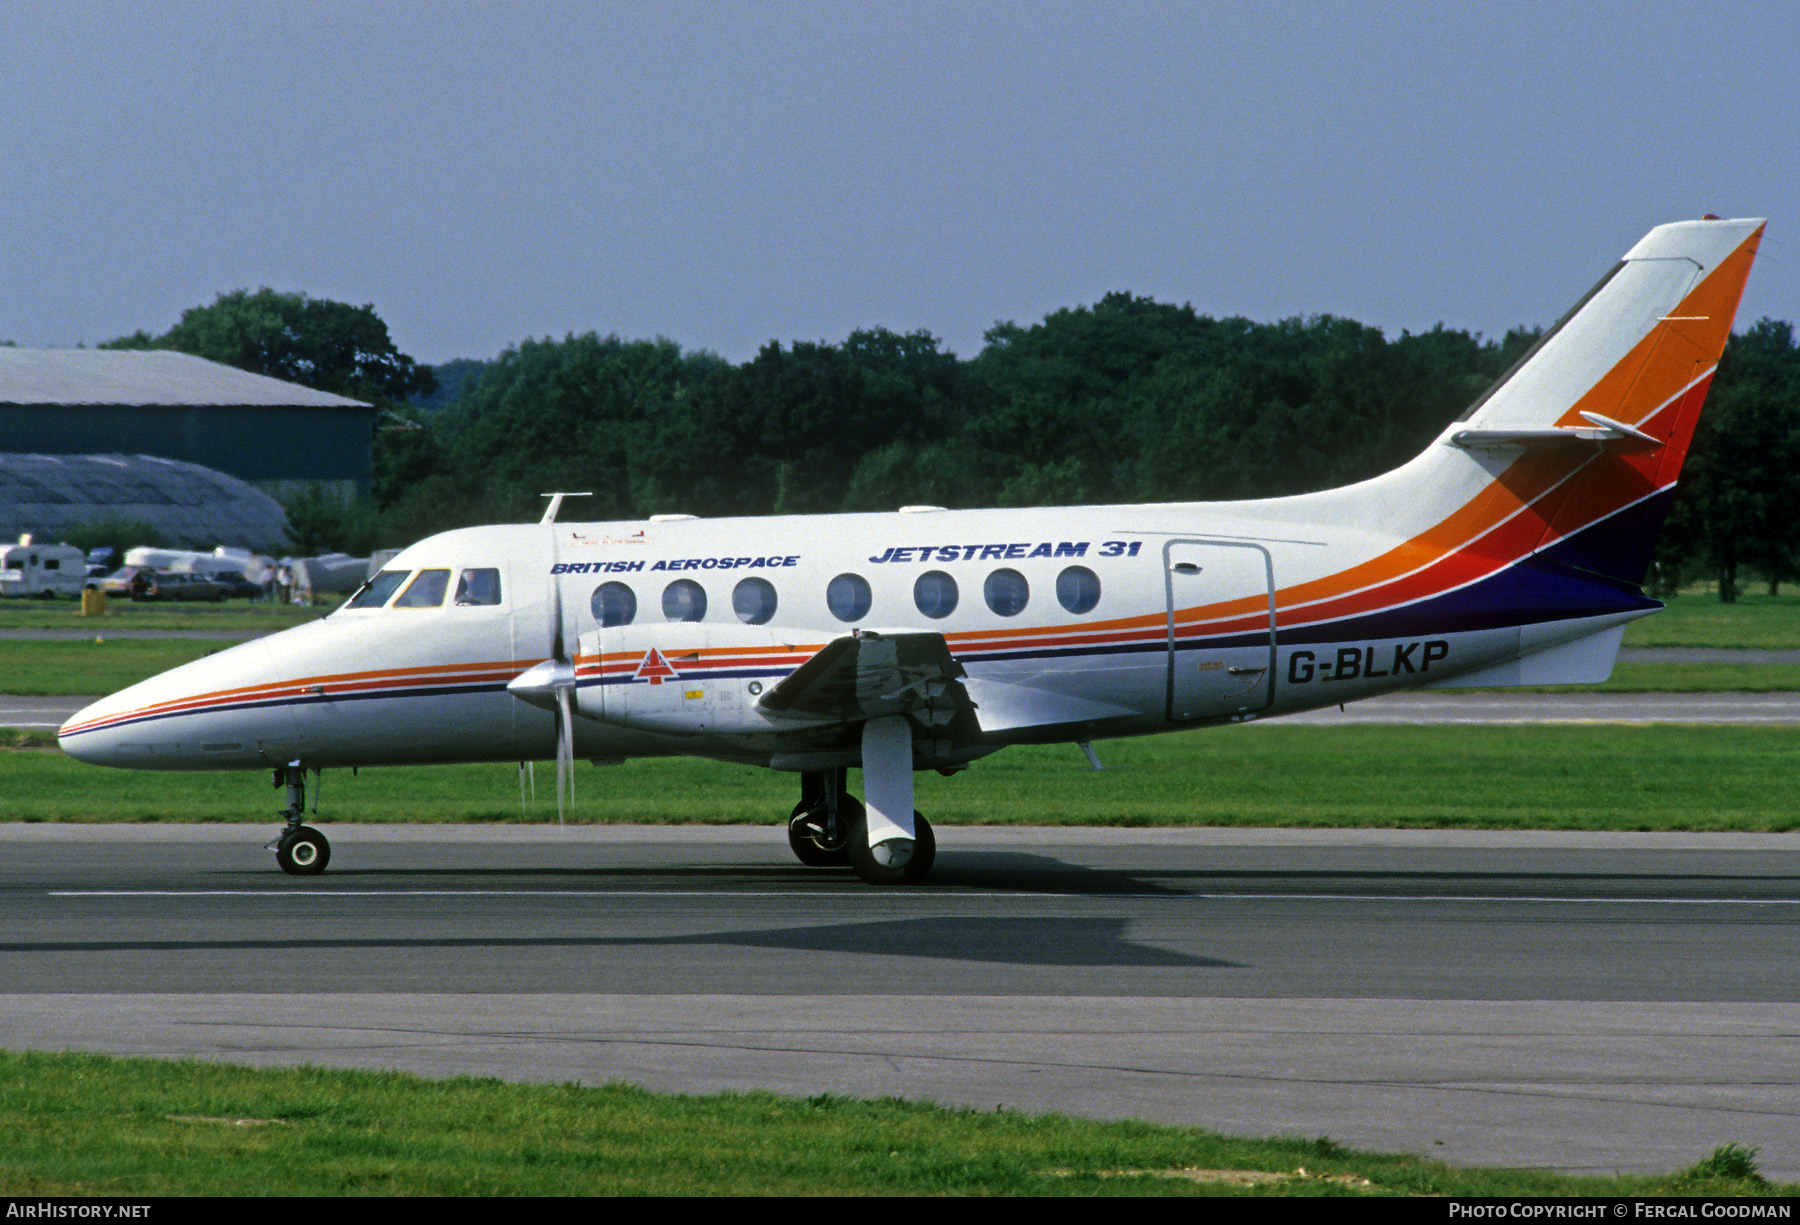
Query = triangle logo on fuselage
x=654 y=668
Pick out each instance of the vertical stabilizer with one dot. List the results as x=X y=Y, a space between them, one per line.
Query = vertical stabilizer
x=1638 y=345
x=1572 y=457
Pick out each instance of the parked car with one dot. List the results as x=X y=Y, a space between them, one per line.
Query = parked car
x=168 y=585
x=125 y=581
x=237 y=587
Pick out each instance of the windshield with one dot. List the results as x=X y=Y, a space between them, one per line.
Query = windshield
x=376 y=591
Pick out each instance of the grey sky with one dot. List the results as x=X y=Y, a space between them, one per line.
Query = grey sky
x=726 y=174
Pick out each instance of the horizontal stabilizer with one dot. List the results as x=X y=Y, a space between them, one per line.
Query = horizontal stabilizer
x=1603 y=430
x=1585 y=661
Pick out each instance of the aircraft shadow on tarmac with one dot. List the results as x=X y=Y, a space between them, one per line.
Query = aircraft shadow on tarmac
x=1048 y=941
x=1024 y=873
x=1009 y=871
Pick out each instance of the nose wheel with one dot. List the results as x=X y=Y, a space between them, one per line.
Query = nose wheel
x=303 y=851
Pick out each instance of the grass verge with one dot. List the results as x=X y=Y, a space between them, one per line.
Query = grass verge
x=1762 y=621
x=1583 y=777
x=1684 y=678
x=87 y=1125
x=91 y=665
x=124 y=614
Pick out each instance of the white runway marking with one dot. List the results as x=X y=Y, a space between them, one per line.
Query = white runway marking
x=326 y=895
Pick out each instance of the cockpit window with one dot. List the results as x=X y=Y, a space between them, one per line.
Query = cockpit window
x=426 y=591
x=376 y=591
x=478 y=586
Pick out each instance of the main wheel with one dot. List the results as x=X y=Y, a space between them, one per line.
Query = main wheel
x=305 y=852
x=897 y=861
x=807 y=839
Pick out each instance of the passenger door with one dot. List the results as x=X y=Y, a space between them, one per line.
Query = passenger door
x=1220 y=602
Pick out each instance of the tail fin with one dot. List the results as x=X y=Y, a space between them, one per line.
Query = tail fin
x=1538 y=510
x=1636 y=352
x=1578 y=446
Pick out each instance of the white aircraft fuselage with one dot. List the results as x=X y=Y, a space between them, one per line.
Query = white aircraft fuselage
x=1510 y=552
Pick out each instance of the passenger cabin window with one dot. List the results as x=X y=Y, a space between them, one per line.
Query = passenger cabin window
x=376 y=591
x=934 y=594
x=1078 y=589
x=753 y=600
x=614 y=604
x=1006 y=592
x=848 y=597
x=426 y=591
x=684 y=600
x=477 y=587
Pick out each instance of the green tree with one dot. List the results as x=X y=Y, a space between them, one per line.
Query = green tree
x=328 y=346
x=797 y=422
x=582 y=413
x=1734 y=507
x=319 y=521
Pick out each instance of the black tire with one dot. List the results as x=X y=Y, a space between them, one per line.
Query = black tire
x=808 y=849
x=892 y=863
x=305 y=852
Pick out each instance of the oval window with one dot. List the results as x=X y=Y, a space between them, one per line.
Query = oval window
x=848 y=597
x=684 y=600
x=1078 y=589
x=1006 y=592
x=614 y=604
x=753 y=600
x=934 y=594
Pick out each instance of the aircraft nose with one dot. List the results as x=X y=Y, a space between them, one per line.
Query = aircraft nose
x=221 y=712
x=94 y=733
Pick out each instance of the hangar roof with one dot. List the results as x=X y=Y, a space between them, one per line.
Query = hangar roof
x=145 y=377
x=193 y=507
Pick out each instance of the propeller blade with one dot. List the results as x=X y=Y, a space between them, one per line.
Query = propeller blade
x=565 y=748
x=558 y=651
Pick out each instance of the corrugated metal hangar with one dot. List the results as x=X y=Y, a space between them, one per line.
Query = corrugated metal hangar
x=190 y=507
x=276 y=435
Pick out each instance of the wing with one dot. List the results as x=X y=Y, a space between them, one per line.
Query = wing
x=869 y=674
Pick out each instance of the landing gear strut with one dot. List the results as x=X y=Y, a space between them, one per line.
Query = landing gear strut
x=830 y=828
x=300 y=850
x=820 y=824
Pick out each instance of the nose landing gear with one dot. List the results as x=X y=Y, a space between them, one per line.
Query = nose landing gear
x=300 y=850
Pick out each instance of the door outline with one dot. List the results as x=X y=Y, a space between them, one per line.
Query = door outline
x=1268 y=561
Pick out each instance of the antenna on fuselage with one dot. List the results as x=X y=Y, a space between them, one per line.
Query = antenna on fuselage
x=556 y=500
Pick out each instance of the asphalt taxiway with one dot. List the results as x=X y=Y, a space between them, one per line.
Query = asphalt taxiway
x=1565 y=1000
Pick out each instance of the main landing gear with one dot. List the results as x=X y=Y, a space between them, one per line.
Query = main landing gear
x=299 y=849
x=831 y=828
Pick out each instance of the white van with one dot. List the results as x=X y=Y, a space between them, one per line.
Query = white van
x=41 y=569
